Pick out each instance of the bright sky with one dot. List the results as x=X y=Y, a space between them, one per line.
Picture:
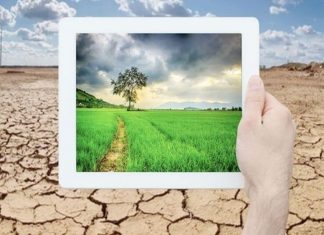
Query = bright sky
x=183 y=70
x=290 y=29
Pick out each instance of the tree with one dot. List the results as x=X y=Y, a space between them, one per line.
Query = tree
x=128 y=83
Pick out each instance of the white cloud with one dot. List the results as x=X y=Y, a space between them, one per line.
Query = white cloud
x=46 y=27
x=77 y=1
x=275 y=36
x=7 y=17
x=123 y=5
x=302 y=44
x=166 y=7
x=210 y=14
x=28 y=54
x=280 y=6
x=10 y=47
x=44 y=45
x=43 y=9
x=26 y=34
x=286 y=2
x=304 y=29
x=6 y=33
x=274 y=10
x=156 y=8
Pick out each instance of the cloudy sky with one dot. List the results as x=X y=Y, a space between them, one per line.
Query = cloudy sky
x=184 y=70
x=290 y=29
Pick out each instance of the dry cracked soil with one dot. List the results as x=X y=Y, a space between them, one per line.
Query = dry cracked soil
x=31 y=201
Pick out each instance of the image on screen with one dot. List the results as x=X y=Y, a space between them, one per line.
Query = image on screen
x=157 y=102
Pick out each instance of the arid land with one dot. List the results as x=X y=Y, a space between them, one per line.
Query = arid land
x=31 y=201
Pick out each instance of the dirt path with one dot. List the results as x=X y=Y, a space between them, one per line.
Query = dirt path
x=115 y=157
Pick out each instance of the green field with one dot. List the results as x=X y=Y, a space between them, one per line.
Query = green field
x=160 y=140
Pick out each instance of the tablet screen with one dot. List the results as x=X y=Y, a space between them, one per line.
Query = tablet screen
x=157 y=102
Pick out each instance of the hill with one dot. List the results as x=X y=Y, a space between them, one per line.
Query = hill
x=86 y=100
x=310 y=67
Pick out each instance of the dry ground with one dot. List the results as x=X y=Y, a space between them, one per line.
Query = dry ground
x=31 y=202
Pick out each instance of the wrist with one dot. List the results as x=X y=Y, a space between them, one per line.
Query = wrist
x=272 y=202
x=268 y=211
x=268 y=194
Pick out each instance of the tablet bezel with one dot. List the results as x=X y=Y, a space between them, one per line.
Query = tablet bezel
x=68 y=28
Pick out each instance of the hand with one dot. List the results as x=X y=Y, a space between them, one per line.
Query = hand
x=264 y=152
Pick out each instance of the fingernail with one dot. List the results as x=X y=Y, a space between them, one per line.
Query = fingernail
x=255 y=82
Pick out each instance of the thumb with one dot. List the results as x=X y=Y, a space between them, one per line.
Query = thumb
x=254 y=100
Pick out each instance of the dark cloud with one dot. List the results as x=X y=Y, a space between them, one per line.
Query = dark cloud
x=157 y=55
x=113 y=54
x=195 y=54
x=83 y=44
x=91 y=61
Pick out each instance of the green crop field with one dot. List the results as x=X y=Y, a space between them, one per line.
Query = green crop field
x=96 y=129
x=159 y=140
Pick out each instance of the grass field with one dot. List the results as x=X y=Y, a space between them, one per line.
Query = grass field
x=95 y=132
x=160 y=140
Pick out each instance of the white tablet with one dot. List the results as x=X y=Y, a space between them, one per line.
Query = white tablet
x=153 y=102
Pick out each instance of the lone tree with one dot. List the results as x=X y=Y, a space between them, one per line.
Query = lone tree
x=127 y=83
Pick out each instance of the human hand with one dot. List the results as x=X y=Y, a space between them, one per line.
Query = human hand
x=264 y=148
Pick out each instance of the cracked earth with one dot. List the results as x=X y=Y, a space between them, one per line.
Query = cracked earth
x=31 y=201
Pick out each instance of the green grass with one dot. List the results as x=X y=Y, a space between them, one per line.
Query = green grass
x=164 y=140
x=96 y=130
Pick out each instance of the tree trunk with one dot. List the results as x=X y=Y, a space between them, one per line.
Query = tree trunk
x=129 y=105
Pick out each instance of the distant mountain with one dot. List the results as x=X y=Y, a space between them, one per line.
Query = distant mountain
x=196 y=105
x=86 y=100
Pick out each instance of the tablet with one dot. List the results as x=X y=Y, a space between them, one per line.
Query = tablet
x=153 y=102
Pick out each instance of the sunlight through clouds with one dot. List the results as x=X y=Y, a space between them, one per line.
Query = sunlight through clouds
x=180 y=67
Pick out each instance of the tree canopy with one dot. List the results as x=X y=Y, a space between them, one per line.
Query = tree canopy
x=128 y=83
